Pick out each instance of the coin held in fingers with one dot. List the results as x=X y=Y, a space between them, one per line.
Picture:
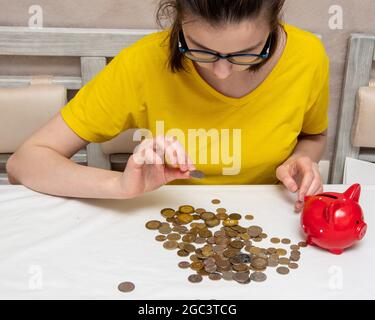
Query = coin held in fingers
x=197 y=174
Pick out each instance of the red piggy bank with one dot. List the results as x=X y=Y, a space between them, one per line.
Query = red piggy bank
x=334 y=221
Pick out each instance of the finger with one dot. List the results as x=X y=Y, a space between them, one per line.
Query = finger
x=282 y=173
x=298 y=206
x=307 y=179
x=173 y=174
x=316 y=185
x=180 y=156
x=143 y=153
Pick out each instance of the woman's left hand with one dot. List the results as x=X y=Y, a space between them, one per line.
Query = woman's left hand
x=300 y=173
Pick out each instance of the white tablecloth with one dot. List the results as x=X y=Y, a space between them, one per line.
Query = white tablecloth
x=60 y=248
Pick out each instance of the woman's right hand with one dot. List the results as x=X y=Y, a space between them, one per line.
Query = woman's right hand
x=154 y=163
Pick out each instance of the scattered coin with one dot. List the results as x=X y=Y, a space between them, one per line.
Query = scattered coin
x=282 y=270
x=254 y=231
x=195 y=278
x=160 y=237
x=293 y=265
x=170 y=245
x=249 y=217
x=184 y=264
x=186 y=209
x=126 y=286
x=215 y=201
x=185 y=218
x=258 y=276
x=235 y=216
x=215 y=276
x=153 y=225
x=285 y=241
x=302 y=244
x=168 y=213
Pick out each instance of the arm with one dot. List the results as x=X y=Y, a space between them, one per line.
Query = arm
x=43 y=164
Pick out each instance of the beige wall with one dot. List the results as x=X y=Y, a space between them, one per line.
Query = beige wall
x=313 y=15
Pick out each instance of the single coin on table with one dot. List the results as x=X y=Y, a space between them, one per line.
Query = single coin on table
x=126 y=286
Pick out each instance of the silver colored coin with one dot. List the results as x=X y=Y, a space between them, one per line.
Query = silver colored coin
x=258 y=276
x=197 y=174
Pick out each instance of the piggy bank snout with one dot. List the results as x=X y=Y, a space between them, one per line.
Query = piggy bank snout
x=361 y=230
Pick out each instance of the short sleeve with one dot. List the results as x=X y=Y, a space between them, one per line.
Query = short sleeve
x=316 y=117
x=105 y=106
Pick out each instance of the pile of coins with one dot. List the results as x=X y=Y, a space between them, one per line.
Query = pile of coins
x=218 y=247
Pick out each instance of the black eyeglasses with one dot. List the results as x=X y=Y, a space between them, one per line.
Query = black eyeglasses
x=206 y=56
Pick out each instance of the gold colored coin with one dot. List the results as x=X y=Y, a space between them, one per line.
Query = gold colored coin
x=249 y=217
x=182 y=253
x=281 y=252
x=208 y=215
x=275 y=240
x=285 y=241
x=186 y=209
x=205 y=233
x=197 y=265
x=212 y=222
x=185 y=218
x=215 y=201
x=282 y=270
x=200 y=210
x=221 y=216
x=153 y=225
x=255 y=250
x=284 y=261
x=221 y=210
x=254 y=231
x=235 y=216
x=160 y=237
x=174 y=236
x=230 y=223
x=168 y=213
x=302 y=244
x=170 y=245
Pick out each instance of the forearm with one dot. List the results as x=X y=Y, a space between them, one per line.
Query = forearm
x=44 y=170
x=312 y=146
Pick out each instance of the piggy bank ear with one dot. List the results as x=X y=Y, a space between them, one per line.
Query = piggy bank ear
x=331 y=210
x=353 y=192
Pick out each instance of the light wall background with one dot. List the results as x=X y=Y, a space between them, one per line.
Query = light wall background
x=358 y=16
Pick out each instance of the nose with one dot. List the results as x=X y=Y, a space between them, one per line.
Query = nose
x=222 y=69
x=361 y=231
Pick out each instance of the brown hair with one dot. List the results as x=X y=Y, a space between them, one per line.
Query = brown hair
x=215 y=12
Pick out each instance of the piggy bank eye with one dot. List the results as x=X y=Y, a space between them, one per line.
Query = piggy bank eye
x=357 y=222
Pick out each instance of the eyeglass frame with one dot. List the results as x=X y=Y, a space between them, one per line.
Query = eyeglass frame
x=265 y=53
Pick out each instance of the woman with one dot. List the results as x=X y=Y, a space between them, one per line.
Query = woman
x=228 y=64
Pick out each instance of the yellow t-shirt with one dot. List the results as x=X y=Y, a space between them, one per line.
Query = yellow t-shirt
x=243 y=140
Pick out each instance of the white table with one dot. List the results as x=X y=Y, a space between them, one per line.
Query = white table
x=60 y=248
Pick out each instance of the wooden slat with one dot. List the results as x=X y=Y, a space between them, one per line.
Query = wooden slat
x=90 y=67
x=70 y=83
x=358 y=72
x=67 y=41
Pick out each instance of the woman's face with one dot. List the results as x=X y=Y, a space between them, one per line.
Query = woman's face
x=245 y=37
